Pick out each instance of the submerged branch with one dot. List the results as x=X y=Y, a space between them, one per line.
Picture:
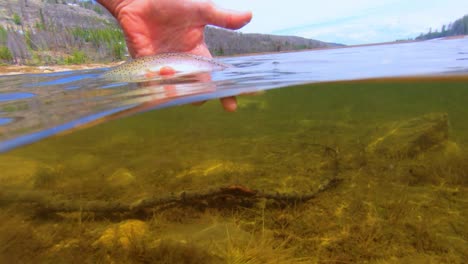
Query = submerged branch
x=234 y=195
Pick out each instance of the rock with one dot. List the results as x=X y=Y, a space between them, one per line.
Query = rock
x=122 y=235
x=450 y=149
x=46 y=69
x=121 y=178
x=65 y=244
x=412 y=137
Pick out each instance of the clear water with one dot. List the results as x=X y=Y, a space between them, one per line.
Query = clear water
x=329 y=169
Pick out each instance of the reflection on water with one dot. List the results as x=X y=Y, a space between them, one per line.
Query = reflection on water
x=346 y=172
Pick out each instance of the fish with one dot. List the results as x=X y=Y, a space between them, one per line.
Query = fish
x=161 y=66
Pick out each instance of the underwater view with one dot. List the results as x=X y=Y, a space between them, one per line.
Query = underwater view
x=353 y=155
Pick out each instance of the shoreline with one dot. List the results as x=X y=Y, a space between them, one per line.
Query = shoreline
x=23 y=69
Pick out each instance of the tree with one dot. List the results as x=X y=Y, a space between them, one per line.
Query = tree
x=458 y=27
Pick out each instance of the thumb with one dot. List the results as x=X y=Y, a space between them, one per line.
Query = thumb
x=227 y=18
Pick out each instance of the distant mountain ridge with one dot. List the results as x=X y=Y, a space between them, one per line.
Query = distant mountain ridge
x=224 y=42
x=64 y=31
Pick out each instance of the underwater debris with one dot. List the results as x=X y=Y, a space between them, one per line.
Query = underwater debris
x=224 y=197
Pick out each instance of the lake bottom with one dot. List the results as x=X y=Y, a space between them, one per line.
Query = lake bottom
x=351 y=172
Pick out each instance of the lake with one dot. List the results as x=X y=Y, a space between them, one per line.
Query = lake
x=351 y=155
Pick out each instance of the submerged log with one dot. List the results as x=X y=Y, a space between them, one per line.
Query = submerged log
x=235 y=195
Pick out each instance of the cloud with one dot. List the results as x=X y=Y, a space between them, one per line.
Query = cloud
x=359 y=31
x=349 y=22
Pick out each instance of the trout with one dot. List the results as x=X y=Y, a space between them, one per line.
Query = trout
x=162 y=66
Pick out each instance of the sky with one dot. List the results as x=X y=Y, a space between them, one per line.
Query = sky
x=348 y=22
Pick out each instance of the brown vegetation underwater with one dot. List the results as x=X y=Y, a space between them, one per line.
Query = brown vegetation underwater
x=352 y=172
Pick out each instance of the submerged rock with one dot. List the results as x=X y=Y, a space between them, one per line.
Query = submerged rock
x=65 y=244
x=450 y=149
x=412 y=137
x=122 y=235
x=175 y=246
x=121 y=178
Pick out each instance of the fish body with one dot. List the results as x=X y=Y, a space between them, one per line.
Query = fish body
x=156 y=66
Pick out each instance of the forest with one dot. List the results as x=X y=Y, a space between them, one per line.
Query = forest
x=456 y=28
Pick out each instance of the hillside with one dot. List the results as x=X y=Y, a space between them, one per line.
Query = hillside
x=226 y=42
x=48 y=32
x=53 y=13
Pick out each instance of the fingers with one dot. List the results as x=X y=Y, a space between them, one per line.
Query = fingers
x=229 y=103
x=227 y=18
x=201 y=50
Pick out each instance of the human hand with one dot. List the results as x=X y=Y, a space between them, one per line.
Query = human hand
x=159 y=26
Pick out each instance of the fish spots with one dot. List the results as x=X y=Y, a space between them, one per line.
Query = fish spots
x=163 y=66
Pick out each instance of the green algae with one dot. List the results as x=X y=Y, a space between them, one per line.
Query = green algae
x=387 y=208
